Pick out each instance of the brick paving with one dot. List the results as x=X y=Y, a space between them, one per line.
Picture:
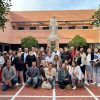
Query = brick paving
x=95 y=90
x=77 y=92
x=61 y=94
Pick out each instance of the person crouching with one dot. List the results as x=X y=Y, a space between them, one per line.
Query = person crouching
x=64 y=77
x=32 y=75
x=9 y=77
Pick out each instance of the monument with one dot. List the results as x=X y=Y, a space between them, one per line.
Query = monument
x=53 y=40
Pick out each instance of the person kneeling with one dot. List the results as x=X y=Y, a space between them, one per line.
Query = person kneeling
x=64 y=78
x=9 y=77
x=50 y=74
x=76 y=75
x=32 y=75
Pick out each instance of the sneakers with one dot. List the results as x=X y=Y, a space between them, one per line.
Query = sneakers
x=74 y=87
x=98 y=85
x=93 y=83
x=17 y=84
x=86 y=83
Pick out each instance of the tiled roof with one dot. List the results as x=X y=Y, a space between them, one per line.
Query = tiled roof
x=61 y=15
x=15 y=36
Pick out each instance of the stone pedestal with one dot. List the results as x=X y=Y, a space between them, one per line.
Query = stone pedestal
x=53 y=42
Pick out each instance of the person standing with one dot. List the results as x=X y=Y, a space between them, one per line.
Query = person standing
x=19 y=66
x=29 y=59
x=23 y=57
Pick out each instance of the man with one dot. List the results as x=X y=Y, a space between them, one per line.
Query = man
x=83 y=60
x=66 y=56
x=29 y=59
x=23 y=57
x=49 y=57
x=32 y=75
x=9 y=77
x=64 y=77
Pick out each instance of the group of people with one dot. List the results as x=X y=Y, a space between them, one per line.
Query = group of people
x=68 y=68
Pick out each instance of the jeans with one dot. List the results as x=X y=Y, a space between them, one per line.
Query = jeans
x=89 y=72
x=33 y=81
x=13 y=83
x=51 y=81
x=64 y=83
x=98 y=75
x=74 y=81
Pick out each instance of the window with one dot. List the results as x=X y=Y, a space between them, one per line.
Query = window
x=71 y=27
x=20 y=28
x=13 y=27
x=59 y=28
x=45 y=28
x=32 y=28
x=85 y=27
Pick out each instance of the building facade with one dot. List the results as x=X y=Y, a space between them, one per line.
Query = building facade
x=36 y=23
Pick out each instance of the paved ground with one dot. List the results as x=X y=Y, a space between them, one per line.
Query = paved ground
x=28 y=93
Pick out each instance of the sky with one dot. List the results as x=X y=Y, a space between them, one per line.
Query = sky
x=29 y=5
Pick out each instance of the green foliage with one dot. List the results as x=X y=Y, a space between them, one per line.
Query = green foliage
x=96 y=18
x=4 y=10
x=78 y=41
x=29 y=42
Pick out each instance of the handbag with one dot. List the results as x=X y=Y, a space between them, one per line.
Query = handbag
x=81 y=84
x=46 y=85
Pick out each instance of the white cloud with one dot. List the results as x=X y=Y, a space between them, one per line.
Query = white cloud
x=53 y=4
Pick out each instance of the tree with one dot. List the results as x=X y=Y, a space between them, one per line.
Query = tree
x=29 y=42
x=78 y=41
x=4 y=11
x=96 y=18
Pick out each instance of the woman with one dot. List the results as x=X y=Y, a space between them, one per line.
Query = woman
x=50 y=74
x=89 y=68
x=2 y=61
x=76 y=75
x=56 y=62
x=64 y=78
x=19 y=64
x=97 y=67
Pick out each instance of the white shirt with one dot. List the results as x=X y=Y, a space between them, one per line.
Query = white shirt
x=25 y=54
x=76 y=72
x=2 y=61
x=88 y=59
x=34 y=53
x=83 y=58
x=49 y=59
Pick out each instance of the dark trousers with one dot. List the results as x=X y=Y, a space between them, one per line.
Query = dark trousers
x=13 y=83
x=83 y=69
x=64 y=83
x=24 y=72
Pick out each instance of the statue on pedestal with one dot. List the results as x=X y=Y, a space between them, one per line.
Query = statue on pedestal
x=53 y=25
x=53 y=38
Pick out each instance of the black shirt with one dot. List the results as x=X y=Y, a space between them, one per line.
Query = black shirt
x=30 y=59
x=19 y=64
